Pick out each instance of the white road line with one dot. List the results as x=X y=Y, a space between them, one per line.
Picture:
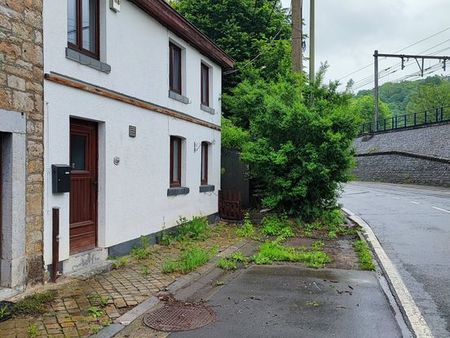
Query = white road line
x=414 y=202
x=440 y=209
x=413 y=315
x=396 y=198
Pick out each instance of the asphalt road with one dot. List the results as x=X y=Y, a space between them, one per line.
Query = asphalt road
x=412 y=224
x=291 y=301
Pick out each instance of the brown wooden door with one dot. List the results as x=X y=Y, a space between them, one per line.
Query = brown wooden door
x=83 y=191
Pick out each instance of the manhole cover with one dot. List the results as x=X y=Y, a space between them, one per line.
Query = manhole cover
x=179 y=317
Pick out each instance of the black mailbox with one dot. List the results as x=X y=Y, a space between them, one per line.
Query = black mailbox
x=61 y=178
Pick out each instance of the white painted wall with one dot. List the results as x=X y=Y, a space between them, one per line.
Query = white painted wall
x=133 y=195
x=136 y=47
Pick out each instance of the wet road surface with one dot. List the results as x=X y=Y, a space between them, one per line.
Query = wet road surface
x=291 y=301
x=412 y=224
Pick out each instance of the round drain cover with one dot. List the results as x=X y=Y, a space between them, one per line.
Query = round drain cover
x=179 y=317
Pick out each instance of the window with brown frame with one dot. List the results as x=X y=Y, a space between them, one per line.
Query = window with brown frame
x=204 y=165
x=175 y=79
x=175 y=161
x=83 y=26
x=205 y=85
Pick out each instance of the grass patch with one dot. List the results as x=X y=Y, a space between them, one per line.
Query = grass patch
x=189 y=260
x=227 y=264
x=364 y=255
x=277 y=226
x=95 y=312
x=5 y=312
x=270 y=252
x=145 y=270
x=98 y=300
x=195 y=229
x=34 y=304
x=120 y=262
x=33 y=331
x=143 y=250
x=330 y=224
x=231 y=262
x=246 y=230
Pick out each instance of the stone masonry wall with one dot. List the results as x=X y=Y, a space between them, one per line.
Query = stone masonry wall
x=21 y=90
x=416 y=156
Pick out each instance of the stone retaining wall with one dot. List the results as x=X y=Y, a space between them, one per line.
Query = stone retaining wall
x=21 y=91
x=416 y=156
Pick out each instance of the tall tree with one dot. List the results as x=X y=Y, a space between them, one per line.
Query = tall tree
x=240 y=27
x=429 y=97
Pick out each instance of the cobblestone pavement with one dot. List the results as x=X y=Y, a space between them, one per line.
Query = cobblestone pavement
x=83 y=307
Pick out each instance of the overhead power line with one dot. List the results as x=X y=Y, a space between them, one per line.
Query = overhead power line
x=400 y=50
x=394 y=68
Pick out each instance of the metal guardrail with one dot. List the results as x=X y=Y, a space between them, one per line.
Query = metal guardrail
x=434 y=116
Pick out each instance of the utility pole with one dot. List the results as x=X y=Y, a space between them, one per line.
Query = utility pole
x=297 y=35
x=312 y=40
x=376 y=93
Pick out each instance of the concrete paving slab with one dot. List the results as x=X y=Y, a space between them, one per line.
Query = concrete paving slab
x=291 y=301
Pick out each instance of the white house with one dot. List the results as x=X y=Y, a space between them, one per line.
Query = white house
x=132 y=105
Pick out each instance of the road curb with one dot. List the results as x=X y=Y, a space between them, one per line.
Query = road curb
x=411 y=313
x=183 y=282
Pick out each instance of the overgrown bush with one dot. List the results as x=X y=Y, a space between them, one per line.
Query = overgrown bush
x=233 y=137
x=300 y=149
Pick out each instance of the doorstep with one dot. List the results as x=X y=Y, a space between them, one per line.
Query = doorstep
x=6 y=293
x=87 y=264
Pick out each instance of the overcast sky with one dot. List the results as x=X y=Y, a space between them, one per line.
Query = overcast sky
x=348 y=32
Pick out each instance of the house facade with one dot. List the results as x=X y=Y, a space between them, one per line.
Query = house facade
x=132 y=108
x=21 y=144
x=115 y=136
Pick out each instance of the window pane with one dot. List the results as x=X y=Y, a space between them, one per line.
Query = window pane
x=89 y=23
x=176 y=164
x=175 y=68
x=205 y=85
x=72 y=21
x=204 y=164
x=78 y=152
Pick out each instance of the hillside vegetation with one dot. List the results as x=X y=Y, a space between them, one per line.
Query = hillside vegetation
x=413 y=96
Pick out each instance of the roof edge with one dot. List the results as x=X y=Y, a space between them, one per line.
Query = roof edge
x=165 y=14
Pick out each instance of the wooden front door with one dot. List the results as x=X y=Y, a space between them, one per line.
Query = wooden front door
x=83 y=191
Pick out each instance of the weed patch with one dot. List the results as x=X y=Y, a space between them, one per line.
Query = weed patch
x=5 y=312
x=145 y=271
x=95 y=312
x=120 y=262
x=277 y=226
x=246 y=230
x=189 y=260
x=143 y=250
x=364 y=255
x=227 y=264
x=270 y=252
x=195 y=229
x=33 y=331
x=34 y=304
x=330 y=224
x=98 y=300
x=231 y=262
